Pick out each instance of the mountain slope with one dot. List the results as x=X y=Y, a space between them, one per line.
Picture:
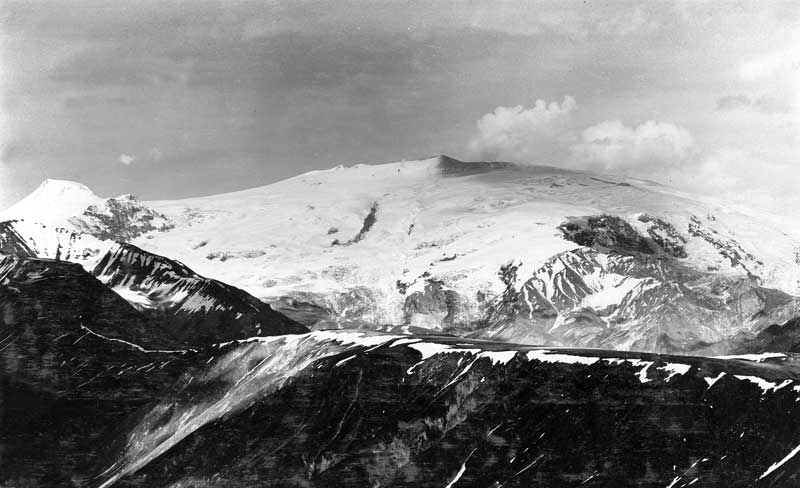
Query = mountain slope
x=34 y=291
x=193 y=306
x=588 y=298
x=193 y=309
x=73 y=369
x=354 y=409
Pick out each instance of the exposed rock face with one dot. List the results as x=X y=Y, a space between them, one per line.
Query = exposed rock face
x=349 y=409
x=781 y=337
x=11 y=242
x=121 y=219
x=369 y=221
x=189 y=305
x=728 y=248
x=67 y=204
x=434 y=307
x=605 y=232
x=304 y=310
x=588 y=298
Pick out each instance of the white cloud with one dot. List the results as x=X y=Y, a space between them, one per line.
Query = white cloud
x=614 y=146
x=126 y=159
x=546 y=134
x=771 y=65
x=536 y=135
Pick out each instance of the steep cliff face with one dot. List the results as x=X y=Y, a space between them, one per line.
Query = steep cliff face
x=355 y=409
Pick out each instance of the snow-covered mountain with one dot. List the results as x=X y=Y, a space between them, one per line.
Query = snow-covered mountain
x=67 y=204
x=523 y=253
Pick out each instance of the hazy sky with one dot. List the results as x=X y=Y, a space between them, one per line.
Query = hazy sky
x=167 y=99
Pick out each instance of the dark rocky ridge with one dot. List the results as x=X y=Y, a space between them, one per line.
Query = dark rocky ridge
x=453 y=167
x=34 y=291
x=72 y=370
x=199 y=309
x=489 y=415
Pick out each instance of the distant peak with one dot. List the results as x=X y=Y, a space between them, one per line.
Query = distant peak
x=444 y=158
x=53 y=185
x=53 y=202
x=453 y=167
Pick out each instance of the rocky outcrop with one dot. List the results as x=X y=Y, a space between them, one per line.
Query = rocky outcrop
x=613 y=233
x=433 y=307
x=121 y=219
x=366 y=226
x=588 y=298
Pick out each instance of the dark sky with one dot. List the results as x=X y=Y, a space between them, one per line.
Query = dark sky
x=169 y=99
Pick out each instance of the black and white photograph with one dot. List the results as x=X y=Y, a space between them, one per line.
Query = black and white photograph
x=399 y=243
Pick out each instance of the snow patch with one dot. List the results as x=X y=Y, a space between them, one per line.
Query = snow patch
x=673 y=369
x=711 y=381
x=547 y=356
x=766 y=386
x=754 y=357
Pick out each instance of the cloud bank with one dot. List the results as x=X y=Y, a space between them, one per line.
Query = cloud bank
x=751 y=172
x=547 y=134
x=612 y=145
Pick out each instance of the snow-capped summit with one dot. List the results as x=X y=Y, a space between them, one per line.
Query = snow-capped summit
x=53 y=203
x=73 y=206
